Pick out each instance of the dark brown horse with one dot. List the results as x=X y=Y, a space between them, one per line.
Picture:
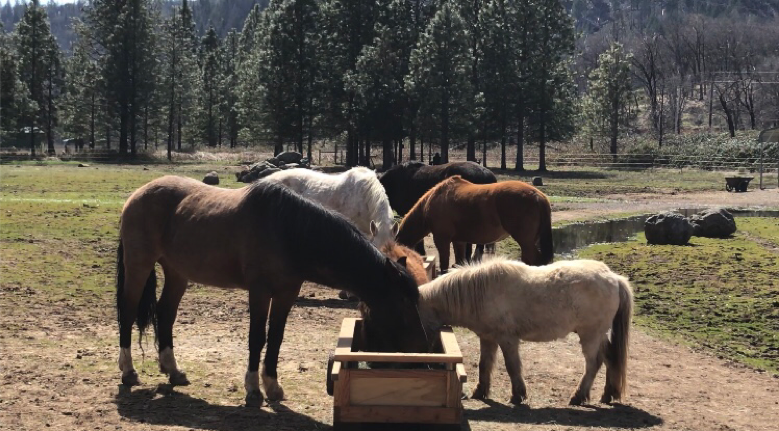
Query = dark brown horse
x=458 y=211
x=373 y=335
x=406 y=183
x=262 y=238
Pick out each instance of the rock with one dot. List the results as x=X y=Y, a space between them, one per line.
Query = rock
x=538 y=181
x=289 y=157
x=713 y=223
x=240 y=174
x=291 y=166
x=668 y=228
x=83 y=165
x=211 y=178
x=264 y=173
x=304 y=162
x=273 y=161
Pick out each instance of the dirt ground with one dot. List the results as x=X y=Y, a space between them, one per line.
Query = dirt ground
x=58 y=365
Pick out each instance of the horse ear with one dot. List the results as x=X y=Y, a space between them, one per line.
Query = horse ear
x=402 y=261
x=374 y=228
x=395 y=229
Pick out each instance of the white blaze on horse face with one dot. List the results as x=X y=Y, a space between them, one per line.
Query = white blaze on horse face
x=125 y=360
x=168 y=363
x=252 y=381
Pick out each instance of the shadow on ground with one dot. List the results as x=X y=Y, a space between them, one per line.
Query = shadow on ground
x=167 y=407
x=615 y=416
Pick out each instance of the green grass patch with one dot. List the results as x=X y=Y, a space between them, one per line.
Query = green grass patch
x=722 y=294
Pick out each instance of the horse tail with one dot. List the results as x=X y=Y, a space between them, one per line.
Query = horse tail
x=147 y=308
x=545 y=238
x=617 y=348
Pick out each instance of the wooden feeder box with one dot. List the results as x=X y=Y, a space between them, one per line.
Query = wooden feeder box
x=430 y=267
x=400 y=396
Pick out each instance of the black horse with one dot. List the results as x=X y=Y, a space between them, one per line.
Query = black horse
x=406 y=183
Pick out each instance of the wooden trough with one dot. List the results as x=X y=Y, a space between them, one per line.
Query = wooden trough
x=401 y=396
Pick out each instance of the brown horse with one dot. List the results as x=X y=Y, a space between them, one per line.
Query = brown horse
x=458 y=211
x=263 y=238
x=372 y=335
x=408 y=182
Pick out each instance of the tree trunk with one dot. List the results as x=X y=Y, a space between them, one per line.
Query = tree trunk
x=92 y=123
x=542 y=145
x=520 y=167
x=389 y=154
x=412 y=142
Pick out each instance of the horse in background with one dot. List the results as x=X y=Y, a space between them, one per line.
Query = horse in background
x=263 y=238
x=405 y=184
x=356 y=194
x=458 y=211
x=505 y=301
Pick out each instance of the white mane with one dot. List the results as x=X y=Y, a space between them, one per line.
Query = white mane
x=356 y=194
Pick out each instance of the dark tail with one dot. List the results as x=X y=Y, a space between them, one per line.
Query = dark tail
x=147 y=308
x=616 y=349
x=546 y=245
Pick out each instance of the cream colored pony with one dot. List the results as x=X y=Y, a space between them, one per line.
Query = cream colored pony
x=356 y=194
x=505 y=301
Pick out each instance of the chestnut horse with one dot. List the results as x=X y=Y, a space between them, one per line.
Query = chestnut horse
x=458 y=211
x=263 y=238
x=408 y=182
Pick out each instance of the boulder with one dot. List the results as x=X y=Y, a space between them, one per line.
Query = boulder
x=713 y=223
x=264 y=173
x=667 y=228
x=211 y=178
x=273 y=161
x=290 y=166
x=289 y=157
x=83 y=165
x=538 y=181
x=304 y=162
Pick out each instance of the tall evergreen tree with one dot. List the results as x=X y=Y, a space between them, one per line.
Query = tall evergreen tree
x=82 y=100
x=16 y=106
x=123 y=30
x=229 y=82
x=36 y=49
x=209 y=95
x=441 y=76
x=608 y=95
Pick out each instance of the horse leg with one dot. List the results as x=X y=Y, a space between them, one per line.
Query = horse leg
x=592 y=360
x=420 y=247
x=468 y=251
x=442 y=245
x=167 y=308
x=259 y=302
x=136 y=275
x=514 y=369
x=280 y=306
x=460 y=256
x=486 y=361
x=531 y=255
x=479 y=252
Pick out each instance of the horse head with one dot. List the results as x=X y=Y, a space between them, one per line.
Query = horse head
x=391 y=323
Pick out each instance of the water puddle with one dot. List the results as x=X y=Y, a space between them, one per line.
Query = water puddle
x=574 y=236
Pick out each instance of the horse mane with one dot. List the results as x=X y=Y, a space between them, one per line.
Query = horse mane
x=462 y=291
x=378 y=203
x=313 y=233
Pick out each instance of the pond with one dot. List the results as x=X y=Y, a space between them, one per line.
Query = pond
x=574 y=236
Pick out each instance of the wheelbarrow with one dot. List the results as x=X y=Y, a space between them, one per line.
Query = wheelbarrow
x=737 y=184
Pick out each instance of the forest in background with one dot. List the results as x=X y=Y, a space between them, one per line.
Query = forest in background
x=464 y=74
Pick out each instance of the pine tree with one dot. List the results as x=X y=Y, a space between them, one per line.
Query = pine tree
x=209 y=95
x=15 y=102
x=36 y=49
x=440 y=76
x=82 y=100
x=123 y=31
x=229 y=84
x=378 y=80
x=607 y=95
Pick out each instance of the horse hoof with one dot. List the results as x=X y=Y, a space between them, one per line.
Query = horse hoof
x=273 y=391
x=518 y=399
x=254 y=399
x=178 y=379
x=479 y=394
x=130 y=378
x=577 y=400
x=608 y=399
